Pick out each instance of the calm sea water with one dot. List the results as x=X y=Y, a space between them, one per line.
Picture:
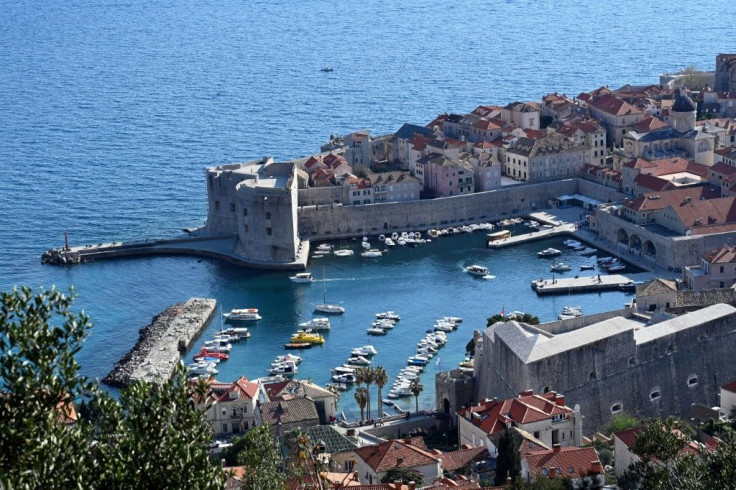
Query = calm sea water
x=109 y=111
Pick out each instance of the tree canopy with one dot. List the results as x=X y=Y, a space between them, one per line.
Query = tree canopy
x=153 y=437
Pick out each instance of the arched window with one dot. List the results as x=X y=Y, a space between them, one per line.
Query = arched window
x=617 y=407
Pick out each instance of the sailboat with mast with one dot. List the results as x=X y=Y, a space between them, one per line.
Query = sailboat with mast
x=326 y=307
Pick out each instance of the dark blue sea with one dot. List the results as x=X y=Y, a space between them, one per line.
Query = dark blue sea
x=110 y=111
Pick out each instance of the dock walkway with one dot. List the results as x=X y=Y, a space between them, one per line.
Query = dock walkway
x=156 y=354
x=586 y=284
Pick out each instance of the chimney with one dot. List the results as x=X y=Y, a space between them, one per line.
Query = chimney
x=355 y=476
x=556 y=447
x=526 y=393
x=399 y=461
x=560 y=400
x=412 y=485
x=596 y=467
x=552 y=472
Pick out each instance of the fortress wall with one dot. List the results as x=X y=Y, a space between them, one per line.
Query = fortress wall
x=320 y=195
x=561 y=326
x=625 y=373
x=318 y=222
x=705 y=297
x=599 y=192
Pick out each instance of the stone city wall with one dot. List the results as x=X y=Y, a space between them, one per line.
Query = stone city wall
x=324 y=222
x=320 y=196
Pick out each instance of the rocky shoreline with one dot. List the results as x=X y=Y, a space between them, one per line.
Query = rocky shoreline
x=157 y=351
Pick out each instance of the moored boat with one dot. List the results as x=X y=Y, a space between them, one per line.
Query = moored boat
x=302 y=277
x=317 y=324
x=242 y=315
x=297 y=345
x=308 y=337
x=549 y=252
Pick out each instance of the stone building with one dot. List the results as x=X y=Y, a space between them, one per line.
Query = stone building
x=372 y=462
x=453 y=390
x=257 y=203
x=231 y=408
x=545 y=416
x=725 y=73
x=611 y=364
x=324 y=400
x=549 y=157
x=717 y=270
x=283 y=416
x=614 y=113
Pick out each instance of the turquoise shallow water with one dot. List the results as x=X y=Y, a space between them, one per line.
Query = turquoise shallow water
x=109 y=111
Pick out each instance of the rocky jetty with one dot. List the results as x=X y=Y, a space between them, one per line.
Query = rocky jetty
x=157 y=351
x=58 y=256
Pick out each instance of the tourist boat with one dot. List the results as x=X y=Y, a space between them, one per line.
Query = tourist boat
x=358 y=361
x=560 y=267
x=343 y=252
x=588 y=251
x=242 y=315
x=376 y=331
x=286 y=358
x=498 y=235
x=284 y=369
x=317 y=324
x=388 y=315
x=297 y=345
x=365 y=350
x=302 y=277
x=241 y=332
x=477 y=270
x=202 y=367
x=308 y=337
x=616 y=268
x=587 y=267
x=549 y=252
x=326 y=307
x=372 y=253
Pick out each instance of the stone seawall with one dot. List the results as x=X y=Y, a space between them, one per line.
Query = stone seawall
x=156 y=353
x=325 y=222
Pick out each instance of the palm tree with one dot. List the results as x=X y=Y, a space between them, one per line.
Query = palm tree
x=361 y=376
x=369 y=380
x=361 y=397
x=416 y=387
x=380 y=377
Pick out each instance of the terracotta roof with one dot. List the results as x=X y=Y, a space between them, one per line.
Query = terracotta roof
x=730 y=386
x=653 y=183
x=566 y=462
x=522 y=107
x=340 y=480
x=492 y=416
x=289 y=411
x=728 y=152
x=486 y=124
x=628 y=436
x=723 y=169
x=723 y=255
x=613 y=105
x=676 y=165
x=333 y=161
x=653 y=201
x=462 y=457
x=295 y=389
x=649 y=124
x=438 y=121
x=448 y=483
x=419 y=142
x=549 y=144
x=396 y=453
x=242 y=388
x=656 y=286
x=639 y=163
x=709 y=212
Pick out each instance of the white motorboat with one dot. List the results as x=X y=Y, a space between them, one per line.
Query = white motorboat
x=560 y=267
x=388 y=315
x=284 y=369
x=452 y=319
x=365 y=351
x=372 y=253
x=317 y=324
x=588 y=251
x=477 y=270
x=326 y=307
x=358 y=361
x=343 y=252
x=573 y=311
x=337 y=387
x=616 y=268
x=365 y=244
x=384 y=324
x=570 y=243
x=444 y=327
x=389 y=242
x=241 y=332
x=302 y=277
x=242 y=315
x=286 y=358
x=202 y=367
x=549 y=252
x=376 y=331
x=417 y=360
x=218 y=345
x=324 y=247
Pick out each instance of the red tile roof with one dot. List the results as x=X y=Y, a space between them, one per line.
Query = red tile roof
x=396 y=453
x=462 y=457
x=730 y=386
x=567 y=462
x=438 y=121
x=652 y=183
x=711 y=212
x=613 y=105
x=649 y=124
x=640 y=163
x=723 y=169
x=659 y=200
x=242 y=388
x=486 y=124
x=491 y=416
x=723 y=255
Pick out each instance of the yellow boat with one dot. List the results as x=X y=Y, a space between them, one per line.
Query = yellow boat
x=308 y=337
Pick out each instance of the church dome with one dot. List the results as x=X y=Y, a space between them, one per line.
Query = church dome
x=683 y=103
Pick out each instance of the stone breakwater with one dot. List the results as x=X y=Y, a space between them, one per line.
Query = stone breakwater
x=157 y=352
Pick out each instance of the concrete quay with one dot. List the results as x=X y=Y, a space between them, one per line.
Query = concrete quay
x=217 y=247
x=585 y=284
x=556 y=230
x=156 y=354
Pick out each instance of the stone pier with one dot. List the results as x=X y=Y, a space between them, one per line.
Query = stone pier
x=156 y=353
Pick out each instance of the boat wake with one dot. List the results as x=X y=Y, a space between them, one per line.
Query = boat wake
x=489 y=276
